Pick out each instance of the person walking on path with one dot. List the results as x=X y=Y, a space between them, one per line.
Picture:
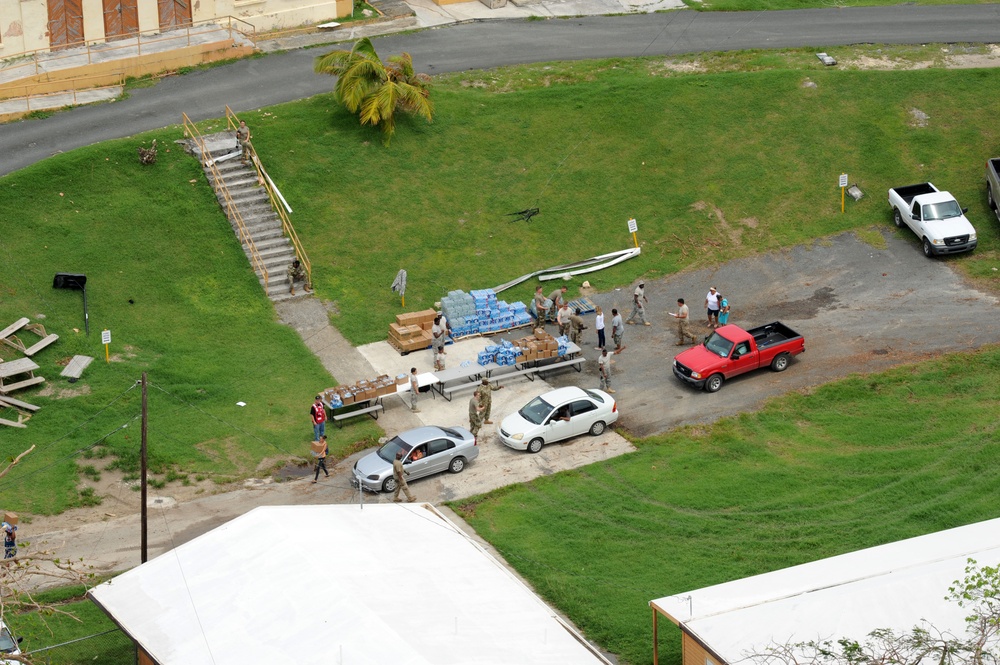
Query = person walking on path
x=475 y=414
x=243 y=141
x=486 y=400
x=558 y=298
x=683 y=316
x=712 y=307
x=723 y=310
x=318 y=414
x=563 y=319
x=576 y=327
x=414 y=389
x=399 y=475
x=541 y=309
x=438 y=335
x=438 y=361
x=604 y=369
x=639 y=301
x=617 y=330
x=599 y=326
x=321 y=459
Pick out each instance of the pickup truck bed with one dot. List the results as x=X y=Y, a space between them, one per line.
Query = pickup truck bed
x=771 y=334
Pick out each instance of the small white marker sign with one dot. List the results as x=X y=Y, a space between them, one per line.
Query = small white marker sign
x=633 y=226
x=105 y=337
x=843 y=180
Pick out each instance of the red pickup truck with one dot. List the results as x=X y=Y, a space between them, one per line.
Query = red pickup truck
x=730 y=351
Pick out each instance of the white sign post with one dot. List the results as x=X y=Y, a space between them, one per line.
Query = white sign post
x=106 y=340
x=633 y=226
x=843 y=186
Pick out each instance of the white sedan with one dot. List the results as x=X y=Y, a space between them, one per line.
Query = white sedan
x=557 y=415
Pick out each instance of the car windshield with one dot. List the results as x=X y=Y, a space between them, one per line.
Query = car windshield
x=389 y=450
x=945 y=210
x=536 y=411
x=719 y=345
x=594 y=396
x=7 y=643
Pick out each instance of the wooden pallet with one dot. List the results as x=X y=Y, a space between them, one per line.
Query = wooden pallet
x=585 y=305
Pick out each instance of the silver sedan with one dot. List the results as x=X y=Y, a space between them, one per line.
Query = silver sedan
x=426 y=451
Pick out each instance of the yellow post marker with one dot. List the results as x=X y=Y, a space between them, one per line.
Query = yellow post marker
x=843 y=188
x=633 y=227
x=106 y=341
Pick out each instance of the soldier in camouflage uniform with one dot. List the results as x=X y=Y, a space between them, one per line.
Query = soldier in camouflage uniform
x=243 y=141
x=475 y=415
x=486 y=400
x=576 y=327
x=296 y=272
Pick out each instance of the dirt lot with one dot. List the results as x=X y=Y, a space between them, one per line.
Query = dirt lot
x=860 y=309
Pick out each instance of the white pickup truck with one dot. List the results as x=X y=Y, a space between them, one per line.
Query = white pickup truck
x=935 y=217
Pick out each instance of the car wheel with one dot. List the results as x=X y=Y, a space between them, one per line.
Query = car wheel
x=535 y=445
x=989 y=196
x=928 y=252
x=896 y=217
x=457 y=465
x=389 y=485
x=714 y=383
x=780 y=362
x=597 y=428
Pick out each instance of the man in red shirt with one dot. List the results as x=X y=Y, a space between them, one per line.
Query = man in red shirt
x=318 y=413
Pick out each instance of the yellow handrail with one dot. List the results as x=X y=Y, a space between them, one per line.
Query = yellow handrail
x=27 y=91
x=232 y=122
x=220 y=186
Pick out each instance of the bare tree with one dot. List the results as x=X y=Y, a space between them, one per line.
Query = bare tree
x=979 y=593
x=21 y=575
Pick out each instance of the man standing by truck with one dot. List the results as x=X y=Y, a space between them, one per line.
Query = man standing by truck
x=683 y=325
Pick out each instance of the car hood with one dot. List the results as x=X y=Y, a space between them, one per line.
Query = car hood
x=373 y=465
x=954 y=226
x=697 y=358
x=516 y=424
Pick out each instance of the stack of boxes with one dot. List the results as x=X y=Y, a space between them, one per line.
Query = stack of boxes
x=362 y=391
x=412 y=331
x=460 y=310
x=538 y=346
x=481 y=312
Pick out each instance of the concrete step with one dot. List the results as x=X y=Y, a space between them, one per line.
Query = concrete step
x=259 y=225
x=277 y=253
x=246 y=197
x=270 y=243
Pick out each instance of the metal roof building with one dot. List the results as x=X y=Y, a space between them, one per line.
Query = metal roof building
x=894 y=586
x=337 y=584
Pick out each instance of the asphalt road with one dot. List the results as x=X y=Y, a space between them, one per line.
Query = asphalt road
x=860 y=310
x=255 y=83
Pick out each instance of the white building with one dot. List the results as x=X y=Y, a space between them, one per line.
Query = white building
x=389 y=583
x=892 y=586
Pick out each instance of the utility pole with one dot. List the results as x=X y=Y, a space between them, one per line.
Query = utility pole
x=142 y=456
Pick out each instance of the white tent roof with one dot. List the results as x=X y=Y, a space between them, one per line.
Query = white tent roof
x=336 y=584
x=891 y=586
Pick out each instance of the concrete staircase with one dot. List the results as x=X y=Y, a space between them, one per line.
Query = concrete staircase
x=262 y=224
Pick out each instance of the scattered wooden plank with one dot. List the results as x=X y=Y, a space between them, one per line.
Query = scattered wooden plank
x=13 y=328
x=38 y=346
x=76 y=366
x=33 y=381
x=11 y=423
x=17 y=404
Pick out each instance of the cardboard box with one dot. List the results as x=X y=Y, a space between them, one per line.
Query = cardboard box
x=398 y=331
x=520 y=359
x=317 y=447
x=10 y=518
x=348 y=398
x=402 y=380
x=540 y=333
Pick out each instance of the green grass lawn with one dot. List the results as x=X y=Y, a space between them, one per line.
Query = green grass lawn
x=856 y=463
x=166 y=276
x=738 y=160
x=713 y=166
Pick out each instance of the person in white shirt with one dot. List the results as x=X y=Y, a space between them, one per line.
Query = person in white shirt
x=599 y=326
x=604 y=369
x=712 y=307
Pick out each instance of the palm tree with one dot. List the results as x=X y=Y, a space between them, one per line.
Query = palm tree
x=374 y=89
